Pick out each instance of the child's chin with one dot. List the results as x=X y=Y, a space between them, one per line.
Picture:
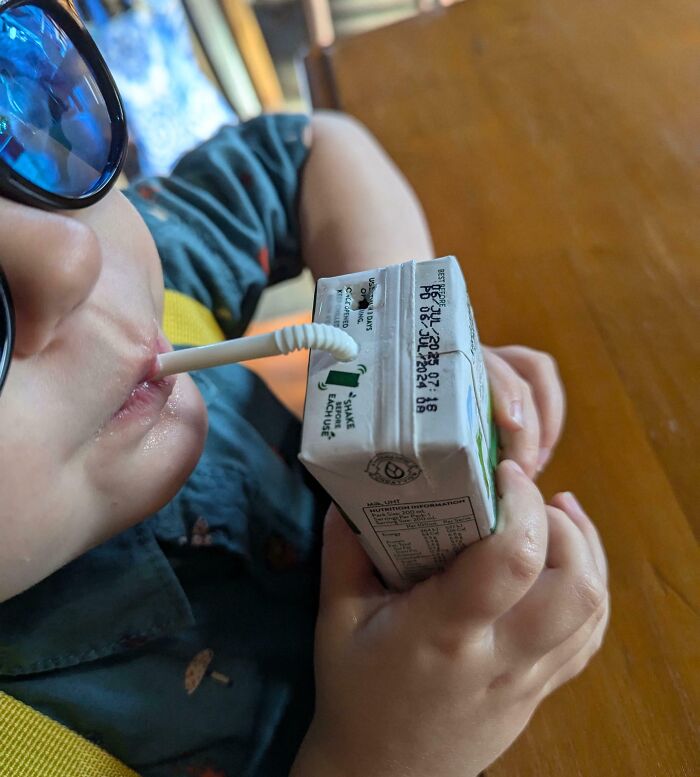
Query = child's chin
x=173 y=448
x=144 y=475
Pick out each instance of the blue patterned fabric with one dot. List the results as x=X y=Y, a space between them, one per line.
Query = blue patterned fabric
x=171 y=105
x=228 y=570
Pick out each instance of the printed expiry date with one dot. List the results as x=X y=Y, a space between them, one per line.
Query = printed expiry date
x=428 y=347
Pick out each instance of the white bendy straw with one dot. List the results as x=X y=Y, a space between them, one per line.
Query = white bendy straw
x=321 y=337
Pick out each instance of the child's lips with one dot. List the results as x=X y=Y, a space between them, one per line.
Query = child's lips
x=149 y=396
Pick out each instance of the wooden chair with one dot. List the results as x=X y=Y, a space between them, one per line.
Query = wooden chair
x=321 y=29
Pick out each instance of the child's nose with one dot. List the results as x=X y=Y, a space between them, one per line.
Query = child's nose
x=51 y=269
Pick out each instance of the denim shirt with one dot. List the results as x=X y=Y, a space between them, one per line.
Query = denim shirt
x=184 y=646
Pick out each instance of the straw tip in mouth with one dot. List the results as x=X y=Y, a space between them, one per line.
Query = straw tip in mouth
x=155 y=371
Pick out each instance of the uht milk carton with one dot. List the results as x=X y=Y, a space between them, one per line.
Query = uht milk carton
x=402 y=438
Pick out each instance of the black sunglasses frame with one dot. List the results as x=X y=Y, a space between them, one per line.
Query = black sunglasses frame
x=7 y=328
x=15 y=187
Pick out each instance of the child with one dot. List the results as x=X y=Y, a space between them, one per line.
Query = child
x=159 y=584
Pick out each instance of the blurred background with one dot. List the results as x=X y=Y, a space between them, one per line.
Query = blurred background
x=185 y=67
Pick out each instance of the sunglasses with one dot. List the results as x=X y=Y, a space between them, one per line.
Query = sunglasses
x=63 y=135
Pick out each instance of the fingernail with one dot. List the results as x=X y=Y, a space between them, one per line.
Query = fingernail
x=516 y=413
x=571 y=502
x=543 y=458
x=515 y=466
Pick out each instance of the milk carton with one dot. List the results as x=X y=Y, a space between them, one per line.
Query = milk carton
x=402 y=438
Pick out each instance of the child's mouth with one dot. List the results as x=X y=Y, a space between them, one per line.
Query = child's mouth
x=149 y=396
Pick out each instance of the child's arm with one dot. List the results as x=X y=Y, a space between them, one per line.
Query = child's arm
x=441 y=680
x=356 y=209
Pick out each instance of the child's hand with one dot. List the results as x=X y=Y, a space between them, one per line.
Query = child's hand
x=440 y=680
x=528 y=404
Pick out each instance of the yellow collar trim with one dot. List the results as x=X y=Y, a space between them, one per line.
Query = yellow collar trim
x=188 y=322
x=32 y=745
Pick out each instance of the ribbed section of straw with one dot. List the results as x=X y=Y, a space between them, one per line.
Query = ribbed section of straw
x=319 y=336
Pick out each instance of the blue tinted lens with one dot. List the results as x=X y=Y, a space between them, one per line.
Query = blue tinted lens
x=55 y=128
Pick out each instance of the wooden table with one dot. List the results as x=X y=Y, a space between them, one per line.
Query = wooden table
x=556 y=148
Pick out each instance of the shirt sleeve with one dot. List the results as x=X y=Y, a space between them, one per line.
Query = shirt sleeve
x=226 y=221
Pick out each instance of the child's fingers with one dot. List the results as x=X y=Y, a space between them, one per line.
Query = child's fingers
x=489 y=577
x=567 y=593
x=570 y=505
x=514 y=412
x=540 y=371
x=571 y=658
x=347 y=574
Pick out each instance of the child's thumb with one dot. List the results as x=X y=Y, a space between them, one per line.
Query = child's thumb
x=347 y=573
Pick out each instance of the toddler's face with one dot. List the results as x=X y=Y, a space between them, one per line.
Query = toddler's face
x=87 y=448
